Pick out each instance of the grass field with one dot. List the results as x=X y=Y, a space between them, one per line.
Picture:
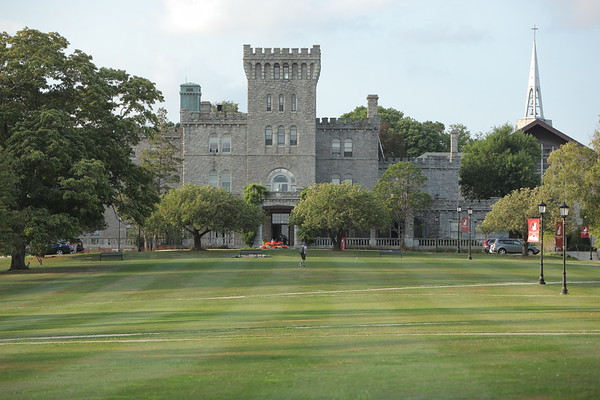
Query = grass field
x=352 y=325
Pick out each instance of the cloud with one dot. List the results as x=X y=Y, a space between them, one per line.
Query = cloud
x=233 y=16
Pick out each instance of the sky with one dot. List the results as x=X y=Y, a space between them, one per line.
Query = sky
x=452 y=61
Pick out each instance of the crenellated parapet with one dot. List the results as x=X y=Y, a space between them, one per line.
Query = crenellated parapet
x=282 y=63
x=346 y=124
x=188 y=117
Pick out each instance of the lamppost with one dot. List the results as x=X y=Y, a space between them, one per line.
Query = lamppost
x=458 y=211
x=470 y=212
x=542 y=210
x=564 y=211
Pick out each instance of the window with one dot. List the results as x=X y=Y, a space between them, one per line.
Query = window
x=294 y=71
x=213 y=144
x=268 y=102
x=280 y=136
x=348 y=179
x=348 y=148
x=335 y=178
x=293 y=136
x=281 y=180
x=276 y=71
x=268 y=136
x=286 y=71
x=257 y=71
x=226 y=144
x=280 y=102
x=336 y=148
x=303 y=71
x=267 y=71
x=294 y=103
x=213 y=178
x=226 y=180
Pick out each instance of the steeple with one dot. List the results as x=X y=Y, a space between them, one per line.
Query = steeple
x=533 y=104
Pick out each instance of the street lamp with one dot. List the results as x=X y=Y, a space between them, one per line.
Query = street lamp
x=458 y=211
x=542 y=210
x=470 y=212
x=564 y=211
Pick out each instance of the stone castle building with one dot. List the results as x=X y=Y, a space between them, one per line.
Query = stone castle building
x=281 y=144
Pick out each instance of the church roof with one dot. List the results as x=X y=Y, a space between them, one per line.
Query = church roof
x=547 y=134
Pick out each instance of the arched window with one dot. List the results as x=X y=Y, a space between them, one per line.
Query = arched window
x=293 y=136
x=269 y=102
x=276 y=71
x=258 y=71
x=336 y=148
x=348 y=148
x=348 y=179
x=226 y=144
x=226 y=180
x=294 y=71
x=280 y=102
x=335 y=178
x=268 y=136
x=213 y=143
x=303 y=71
x=281 y=180
x=286 y=71
x=213 y=178
x=267 y=71
x=281 y=136
x=294 y=103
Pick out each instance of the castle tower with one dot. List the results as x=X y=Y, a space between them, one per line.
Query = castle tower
x=282 y=102
x=189 y=96
x=533 y=104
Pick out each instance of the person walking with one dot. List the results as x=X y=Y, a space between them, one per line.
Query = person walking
x=303 y=250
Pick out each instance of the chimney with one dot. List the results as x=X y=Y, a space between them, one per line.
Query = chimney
x=372 y=100
x=453 y=144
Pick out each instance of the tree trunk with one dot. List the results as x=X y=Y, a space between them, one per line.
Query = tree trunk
x=17 y=262
x=336 y=240
x=198 y=239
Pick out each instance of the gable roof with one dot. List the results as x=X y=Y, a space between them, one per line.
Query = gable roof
x=547 y=134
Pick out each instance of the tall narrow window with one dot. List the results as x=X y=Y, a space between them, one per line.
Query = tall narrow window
x=335 y=178
x=348 y=148
x=226 y=180
x=303 y=71
x=336 y=148
x=280 y=136
x=213 y=178
x=268 y=136
x=348 y=179
x=213 y=144
x=280 y=102
x=293 y=136
x=269 y=102
x=258 y=71
x=286 y=71
x=276 y=71
x=294 y=103
x=226 y=144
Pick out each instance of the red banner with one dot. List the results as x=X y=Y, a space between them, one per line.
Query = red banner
x=533 y=228
x=558 y=235
x=585 y=232
x=464 y=225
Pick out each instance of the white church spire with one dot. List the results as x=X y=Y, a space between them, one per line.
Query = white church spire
x=533 y=104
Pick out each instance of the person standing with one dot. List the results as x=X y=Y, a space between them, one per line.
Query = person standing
x=303 y=250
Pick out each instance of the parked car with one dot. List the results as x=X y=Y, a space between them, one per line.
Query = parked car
x=59 y=248
x=503 y=246
x=486 y=245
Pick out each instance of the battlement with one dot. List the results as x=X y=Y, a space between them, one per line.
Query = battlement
x=314 y=52
x=187 y=116
x=346 y=124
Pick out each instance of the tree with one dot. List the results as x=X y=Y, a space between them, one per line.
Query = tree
x=202 y=209
x=336 y=209
x=254 y=194
x=226 y=106
x=510 y=213
x=498 y=164
x=67 y=129
x=400 y=190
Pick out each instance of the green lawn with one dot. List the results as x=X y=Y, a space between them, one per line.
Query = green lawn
x=352 y=325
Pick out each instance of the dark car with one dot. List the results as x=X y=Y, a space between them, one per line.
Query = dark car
x=503 y=246
x=58 y=249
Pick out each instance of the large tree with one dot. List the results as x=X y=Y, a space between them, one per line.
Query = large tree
x=66 y=133
x=203 y=209
x=510 y=213
x=400 y=189
x=337 y=209
x=503 y=161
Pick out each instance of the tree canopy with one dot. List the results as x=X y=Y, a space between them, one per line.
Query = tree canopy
x=66 y=134
x=400 y=190
x=338 y=208
x=202 y=209
x=499 y=163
